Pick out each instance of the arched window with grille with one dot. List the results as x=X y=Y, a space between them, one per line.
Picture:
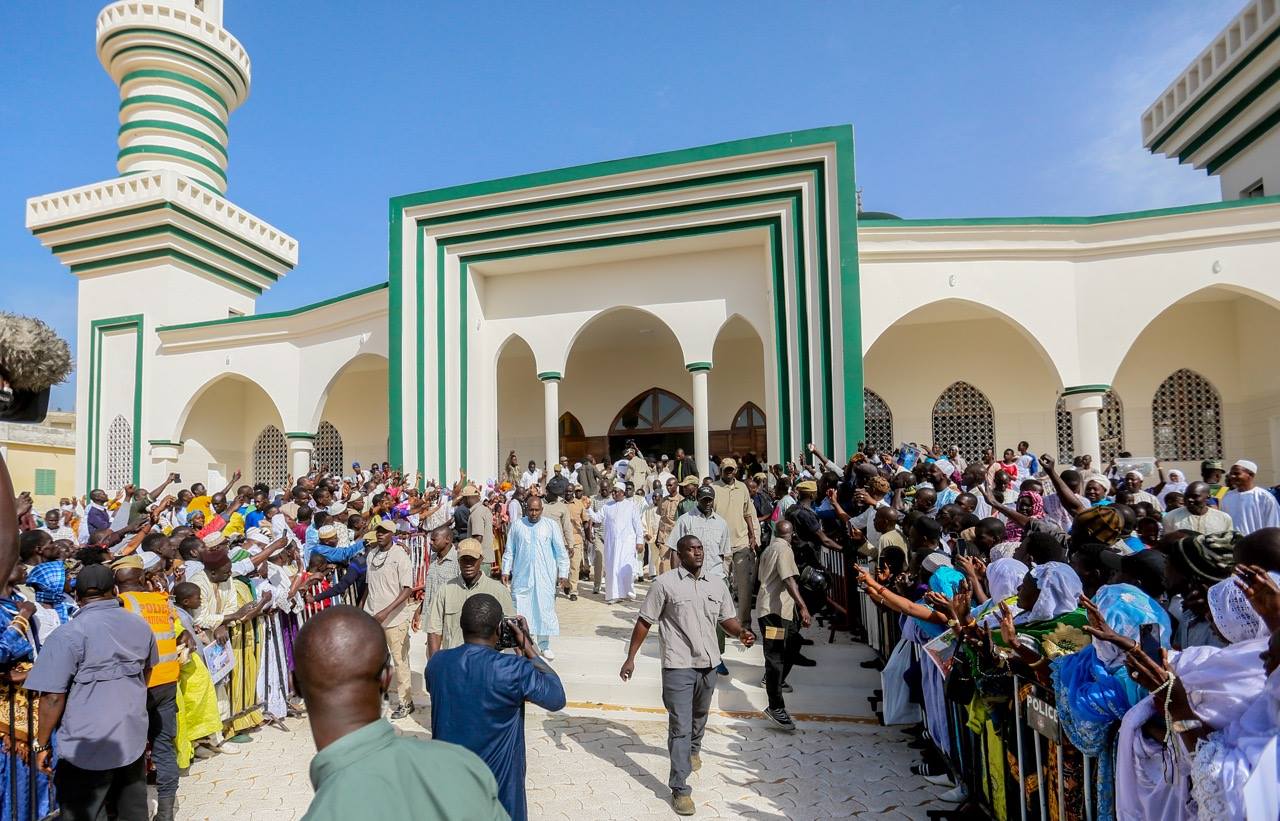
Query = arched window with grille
x=877 y=422
x=1110 y=429
x=327 y=454
x=747 y=434
x=962 y=416
x=270 y=457
x=119 y=454
x=1186 y=418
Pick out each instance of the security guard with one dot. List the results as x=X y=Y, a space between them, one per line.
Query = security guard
x=162 y=685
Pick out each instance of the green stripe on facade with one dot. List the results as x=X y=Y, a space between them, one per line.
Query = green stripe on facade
x=177 y=128
x=166 y=253
x=846 y=195
x=166 y=151
x=1218 y=85
x=1100 y=219
x=175 y=77
x=167 y=230
x=1078 y=389
x=836 y=134
x=1247 y=139
x=97 y=328
x=236 y=320
x=174 y=102
x=182 y=55
x=395 y=336
x=162 y=206
x=172 y=36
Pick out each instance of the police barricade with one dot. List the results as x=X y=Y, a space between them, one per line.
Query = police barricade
x=883 y=627
x=833 y=562
x=27 y=793
x=1014 y=758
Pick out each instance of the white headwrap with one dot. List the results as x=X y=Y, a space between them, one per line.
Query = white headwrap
x=619 y=485
x=1060 y=590
x=1004 y=577
x=1176 y=482
x=1234 y=617
x=1101 y=480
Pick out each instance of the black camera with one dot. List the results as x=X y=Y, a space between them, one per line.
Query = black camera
x=508 y=633
x=23 y=406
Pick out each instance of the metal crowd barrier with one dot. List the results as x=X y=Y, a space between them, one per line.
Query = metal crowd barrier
x=833 y=561
x=22 y=790
x=883 y=627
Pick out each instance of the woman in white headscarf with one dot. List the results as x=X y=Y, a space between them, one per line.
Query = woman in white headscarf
x=1204 y=689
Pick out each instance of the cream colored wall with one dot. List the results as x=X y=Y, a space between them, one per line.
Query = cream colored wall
x=910 y=366
x=1260 y=161
x=518 y=406
x=357 y=407
x=737 y=377
x=23 y=460
x=1218 y=341
x=220 y=431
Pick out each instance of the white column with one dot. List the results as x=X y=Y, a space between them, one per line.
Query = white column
x=551 y=417
x=299 y=455
x=701 y=432
x=1084 y=406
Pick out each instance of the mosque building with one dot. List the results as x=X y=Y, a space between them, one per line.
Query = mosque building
x=722 y=298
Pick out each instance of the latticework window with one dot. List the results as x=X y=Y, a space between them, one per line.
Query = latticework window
x=877 y=422
x=1110 y=429
x=327 y=454
x=1186 y=418
x=119 y=454
x=270 y=457
x=962 y=417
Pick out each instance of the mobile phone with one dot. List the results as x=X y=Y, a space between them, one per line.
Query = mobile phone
x=1149 y=640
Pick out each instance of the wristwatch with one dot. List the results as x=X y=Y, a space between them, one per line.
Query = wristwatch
x=1187 y=725
x=41 y=748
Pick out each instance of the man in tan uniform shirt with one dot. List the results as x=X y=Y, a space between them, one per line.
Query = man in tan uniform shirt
x=733 y=503
x=668 y=512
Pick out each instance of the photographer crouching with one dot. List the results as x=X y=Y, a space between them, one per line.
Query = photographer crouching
x=478 y=693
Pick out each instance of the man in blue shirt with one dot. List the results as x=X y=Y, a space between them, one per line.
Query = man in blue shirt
x=478 y=696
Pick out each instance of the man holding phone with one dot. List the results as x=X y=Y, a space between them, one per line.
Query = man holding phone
x=478 y=695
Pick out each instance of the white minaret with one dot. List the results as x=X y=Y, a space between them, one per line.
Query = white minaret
x=180 y=74
x=159 y=245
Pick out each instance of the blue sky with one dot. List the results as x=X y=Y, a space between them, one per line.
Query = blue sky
x=959 y=109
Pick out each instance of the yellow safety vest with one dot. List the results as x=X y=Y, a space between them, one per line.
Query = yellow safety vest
x=158 y=612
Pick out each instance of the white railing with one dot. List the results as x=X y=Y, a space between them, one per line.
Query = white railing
x=1256 y=21
x=181 y=21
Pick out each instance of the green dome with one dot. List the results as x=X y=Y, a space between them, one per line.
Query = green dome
x=877 y=215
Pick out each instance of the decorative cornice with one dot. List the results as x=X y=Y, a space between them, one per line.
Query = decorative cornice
x=695 y=367
x=179 y=21
x=164 y=443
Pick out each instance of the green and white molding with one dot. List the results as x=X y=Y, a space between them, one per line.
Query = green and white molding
x=161 y=218
x=98 y=328
x=794 y=190
x=695 y=367
x=550 y=376
x=1076 y=390
x=298 y=434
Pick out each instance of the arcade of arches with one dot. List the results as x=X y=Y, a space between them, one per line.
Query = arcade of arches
x=626 y=379
x=957 y=373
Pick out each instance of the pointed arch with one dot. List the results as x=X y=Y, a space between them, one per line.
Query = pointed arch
x=1186 y=418
x=327 y=452
x=1110 y=428
x=748 y=432
x=963 y=417
x=179 y=430
x=270 y=457
x=119 y=454
x=877 y=422
x=653 y=411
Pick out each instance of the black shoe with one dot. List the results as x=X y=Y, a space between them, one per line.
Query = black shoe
x=801 y=661
x=786 y=688
x=164 y=809
x=780 y=719
x=872 y=664
x=573 y=597
x=804 y=642
x=403 y=711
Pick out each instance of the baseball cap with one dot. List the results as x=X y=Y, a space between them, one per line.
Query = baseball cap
x=95 y=579
x=470 y=548
x=689 y=480
x=469 y=490
x=807 y=485
x=1211 y=464
x=705 y=492
x=728 y=463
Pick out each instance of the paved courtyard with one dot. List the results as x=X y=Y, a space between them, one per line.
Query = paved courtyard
x=604 y=757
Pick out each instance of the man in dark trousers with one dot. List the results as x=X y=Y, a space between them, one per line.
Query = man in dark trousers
x=101 y=717
x=781 y=608
x=686 y=608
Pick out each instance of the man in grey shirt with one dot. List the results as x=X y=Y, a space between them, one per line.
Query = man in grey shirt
x=713 y=531
x=686 y=606
x=92 y=677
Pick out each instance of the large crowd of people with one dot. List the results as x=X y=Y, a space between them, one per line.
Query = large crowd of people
x=1141 y=607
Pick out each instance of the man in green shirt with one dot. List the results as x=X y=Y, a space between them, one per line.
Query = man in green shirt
x=362 y=769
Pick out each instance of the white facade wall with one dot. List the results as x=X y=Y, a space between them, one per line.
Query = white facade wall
x=1260 y=161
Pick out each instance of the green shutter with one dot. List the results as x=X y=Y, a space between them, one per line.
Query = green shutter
x=46 y=482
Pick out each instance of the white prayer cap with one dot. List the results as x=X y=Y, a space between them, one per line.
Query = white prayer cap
x=946 y=467
x=933 y=561
x=150 y=561
x=619 y=485
x=336 y=509
x=1245 y=464
x=258 y=535
x=1137 y=473
x=327 y=532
